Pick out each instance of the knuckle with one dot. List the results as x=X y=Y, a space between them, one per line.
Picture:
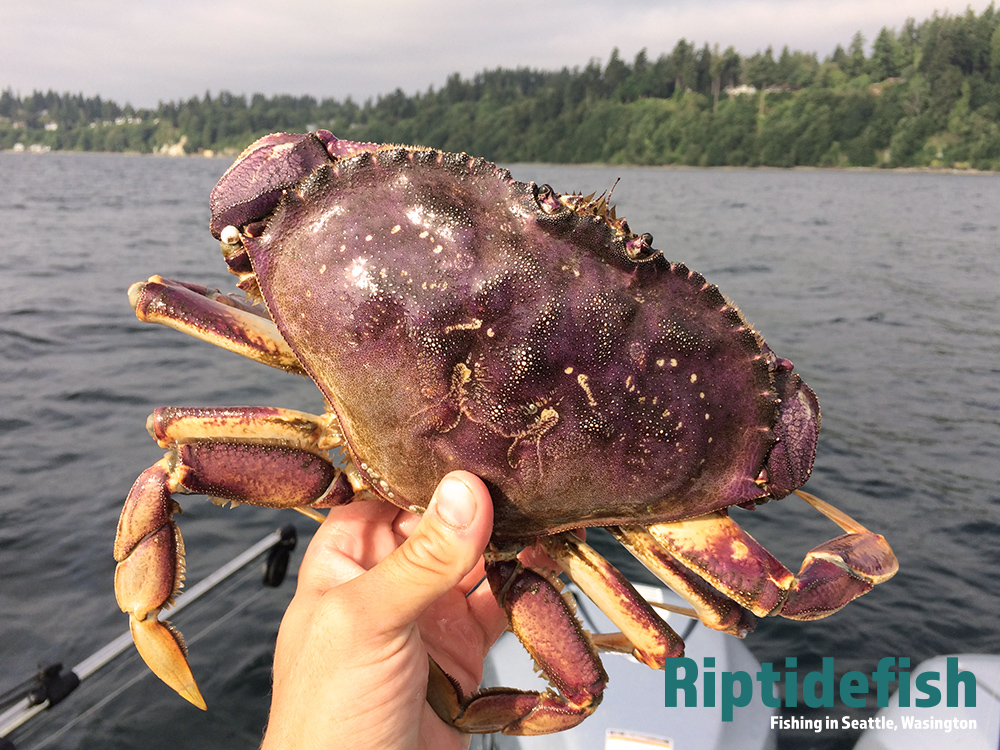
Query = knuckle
x=428 y=552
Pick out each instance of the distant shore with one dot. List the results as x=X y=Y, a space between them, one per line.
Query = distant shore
x=231 y=154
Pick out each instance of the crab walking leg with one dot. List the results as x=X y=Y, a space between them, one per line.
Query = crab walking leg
x=714 y=547
x=652 y=639
x=832 y=574
x=149 y=548
x=712 y=608
x=545 y=624
x=169 y=425
x=210 y=316
x=839 y=570
x=150 y=554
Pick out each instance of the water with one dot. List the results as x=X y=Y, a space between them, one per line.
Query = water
x=881 y=287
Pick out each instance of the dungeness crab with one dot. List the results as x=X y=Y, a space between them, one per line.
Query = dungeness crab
x=456 y=318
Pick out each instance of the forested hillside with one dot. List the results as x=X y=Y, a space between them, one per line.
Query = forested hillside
x=924 y=95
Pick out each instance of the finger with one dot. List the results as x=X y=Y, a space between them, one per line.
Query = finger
x=405 y=524
x=535 y=557
x=488 y=614
x=474 y=578
x=445 y=546
x=352 y=539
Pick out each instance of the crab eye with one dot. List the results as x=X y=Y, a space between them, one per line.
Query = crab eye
x=230 y=235
x=546 y=198
x=641 y=247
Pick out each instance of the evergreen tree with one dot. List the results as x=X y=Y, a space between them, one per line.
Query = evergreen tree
x=928 y=95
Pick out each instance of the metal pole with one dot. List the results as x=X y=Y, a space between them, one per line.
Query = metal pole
x=24 y=710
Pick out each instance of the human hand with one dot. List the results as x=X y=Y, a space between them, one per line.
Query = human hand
x=379 y=590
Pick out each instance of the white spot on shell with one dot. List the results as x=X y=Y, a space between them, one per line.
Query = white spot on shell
x=334 y=212
x=473 y=325
x=582 y=379
x=362 y=276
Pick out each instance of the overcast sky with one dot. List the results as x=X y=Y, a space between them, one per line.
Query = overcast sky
x=144 y=52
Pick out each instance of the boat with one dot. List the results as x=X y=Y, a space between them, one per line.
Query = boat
x=971 y=727
x=632 y=715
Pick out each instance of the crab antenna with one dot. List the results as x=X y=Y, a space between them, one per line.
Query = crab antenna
x=613 y=189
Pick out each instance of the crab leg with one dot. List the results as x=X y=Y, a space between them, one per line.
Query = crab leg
x=549 y=630
x=832 y=574
x=713 y=609
x=839 y=570
x=209 y=315
x=714 y=547
x=169 y=425
x=652 y=640
x=208 y=454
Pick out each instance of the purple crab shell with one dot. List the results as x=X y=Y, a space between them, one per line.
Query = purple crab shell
x=454 y=319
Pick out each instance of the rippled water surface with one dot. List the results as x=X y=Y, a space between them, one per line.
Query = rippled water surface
x=881 y=287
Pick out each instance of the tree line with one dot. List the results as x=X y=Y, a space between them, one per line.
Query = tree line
x=925 y=95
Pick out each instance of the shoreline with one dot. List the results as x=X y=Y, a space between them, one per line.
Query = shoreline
x=226 y=154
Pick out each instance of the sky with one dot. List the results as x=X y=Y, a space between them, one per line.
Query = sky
x=141 y=52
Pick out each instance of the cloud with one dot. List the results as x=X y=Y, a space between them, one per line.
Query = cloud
x=144 y=52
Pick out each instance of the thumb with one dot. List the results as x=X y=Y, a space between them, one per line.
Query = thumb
x=444 y=547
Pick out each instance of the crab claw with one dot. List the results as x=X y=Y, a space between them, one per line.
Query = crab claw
x=840 y=570
x=163 y=650
x=150 y=554
x=833 y=574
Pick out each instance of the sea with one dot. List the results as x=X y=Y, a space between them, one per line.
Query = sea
x=882 y=287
